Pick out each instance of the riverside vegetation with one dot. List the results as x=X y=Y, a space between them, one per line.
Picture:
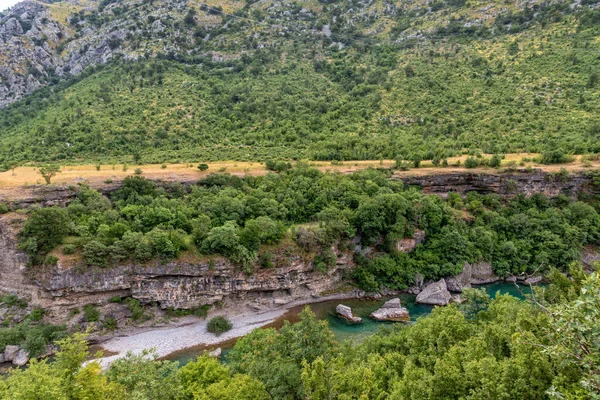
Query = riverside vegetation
x=481 y=349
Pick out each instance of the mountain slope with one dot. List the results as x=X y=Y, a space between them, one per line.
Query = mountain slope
x=342 y=80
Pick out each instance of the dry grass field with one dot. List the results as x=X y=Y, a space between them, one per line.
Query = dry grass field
x=16 y=184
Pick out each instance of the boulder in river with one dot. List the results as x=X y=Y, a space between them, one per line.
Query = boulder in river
x=346 y=313
x=21 y=358
x=436 y=294
x=215 y=353
x=461 y=281
x=391 y=310
x=10 y=352
x=482 y=273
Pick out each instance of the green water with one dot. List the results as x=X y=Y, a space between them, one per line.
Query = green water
x=362 y=308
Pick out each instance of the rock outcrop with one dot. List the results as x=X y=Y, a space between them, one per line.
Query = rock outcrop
x=482 y=273
x=436 y=294
x=346 y=313
x=507 y=184
x=10 y=352
x=391 y=310
x=461 y=281
x=21 y=358
x=407 y=245
x=216 y=353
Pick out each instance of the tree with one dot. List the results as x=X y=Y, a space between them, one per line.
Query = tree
x=43 y=231
x=575 y=334
x=48 y=172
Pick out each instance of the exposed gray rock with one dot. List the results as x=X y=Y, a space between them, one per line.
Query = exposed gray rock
x=418 y=286
x=2 y=358
x=215 y=353
x=461 y=281
x=391 y=310
x=482 y=273
x=10 y=352
x=435 y=294
x=511 y=279
x=346 y=313
x=534 y=280
x=21 y=358
x=407 y=245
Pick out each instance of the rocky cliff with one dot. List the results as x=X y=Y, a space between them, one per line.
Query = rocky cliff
x=505 y=184
x=183 y=285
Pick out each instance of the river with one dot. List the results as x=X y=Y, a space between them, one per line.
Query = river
x=344 y=330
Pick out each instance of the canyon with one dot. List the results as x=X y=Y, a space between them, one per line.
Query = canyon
x=215 y=280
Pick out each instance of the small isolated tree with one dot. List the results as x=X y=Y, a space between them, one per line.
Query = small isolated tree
x=219 y=325
x=203 y=167
x=49 y=171
x=12 y=166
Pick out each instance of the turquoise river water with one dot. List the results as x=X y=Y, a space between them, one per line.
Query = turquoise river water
x=360 y=307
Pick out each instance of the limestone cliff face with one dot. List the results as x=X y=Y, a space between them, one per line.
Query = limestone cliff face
x=506 y=184
x=185 y=285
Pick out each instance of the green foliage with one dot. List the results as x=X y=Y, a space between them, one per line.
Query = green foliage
x=219 y=325
x=43 y=231
x=69 y=249
x=4 y=207
x=137 y=312
x=92 y=314
x=202 y=167
x=405 y=90
x=276 y=357
x=48 y=172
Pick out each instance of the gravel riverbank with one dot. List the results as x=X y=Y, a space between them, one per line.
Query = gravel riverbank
x=168 y=340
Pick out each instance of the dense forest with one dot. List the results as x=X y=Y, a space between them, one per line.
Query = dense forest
x=525 y=80
x=545 y=348
x=310 y=212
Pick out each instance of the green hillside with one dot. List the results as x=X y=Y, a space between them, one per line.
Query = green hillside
x=525 y=80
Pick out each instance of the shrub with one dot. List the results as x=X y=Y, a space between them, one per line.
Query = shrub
x=109 y=324
x=266 y=260
x=495 y=161
x=555 y=157
x=69 y=249
x=138 y=171
x=116 y=300
x=37 y=314
x=219 y=325
x=4 y=207
x=471 y=162
x=51 y=260
x=278 y=165
x=203 y=167
x=12 y=300
x=91 y=313
x=95 y=253
x=137 y=312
